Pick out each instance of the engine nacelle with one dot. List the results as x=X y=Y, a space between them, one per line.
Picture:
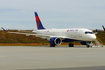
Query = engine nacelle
x=85 y=42
x=55 y=41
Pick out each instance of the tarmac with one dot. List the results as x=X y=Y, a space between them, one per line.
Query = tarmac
x=52 y=58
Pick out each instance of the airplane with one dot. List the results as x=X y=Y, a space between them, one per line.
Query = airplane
x=58 y=36
x=103 y=28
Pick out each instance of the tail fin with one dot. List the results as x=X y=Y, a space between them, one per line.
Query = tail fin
x=103 y=28
x=38 y=22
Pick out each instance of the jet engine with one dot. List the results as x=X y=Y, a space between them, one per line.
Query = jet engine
x=55 y=41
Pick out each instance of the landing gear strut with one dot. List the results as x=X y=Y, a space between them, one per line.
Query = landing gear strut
x=71 y=45
x=88 y=46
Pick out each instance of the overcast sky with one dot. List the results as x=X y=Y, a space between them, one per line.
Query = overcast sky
x=19 y=14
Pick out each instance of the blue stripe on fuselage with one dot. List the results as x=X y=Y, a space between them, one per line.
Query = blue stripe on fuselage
x=69 y=40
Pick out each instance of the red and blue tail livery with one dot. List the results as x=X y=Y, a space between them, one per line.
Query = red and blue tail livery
x=38 y=22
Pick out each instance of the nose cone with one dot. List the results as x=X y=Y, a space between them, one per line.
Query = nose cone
x=92 y=37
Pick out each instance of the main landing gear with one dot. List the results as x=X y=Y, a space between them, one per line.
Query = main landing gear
x=52 y=45
x=71 y=45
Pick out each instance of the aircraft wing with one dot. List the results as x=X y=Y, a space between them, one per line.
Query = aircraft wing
x=27 y=34
x=37 y=35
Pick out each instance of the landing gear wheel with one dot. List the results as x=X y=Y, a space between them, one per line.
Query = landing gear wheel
x=87 y=46
x=52 y=45
x=71 y=45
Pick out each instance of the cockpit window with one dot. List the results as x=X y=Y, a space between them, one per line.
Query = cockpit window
x=89 y=32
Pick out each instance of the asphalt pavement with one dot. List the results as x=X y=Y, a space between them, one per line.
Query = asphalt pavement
x=51 y=58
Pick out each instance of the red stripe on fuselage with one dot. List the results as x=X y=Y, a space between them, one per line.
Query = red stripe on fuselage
x=37 y=21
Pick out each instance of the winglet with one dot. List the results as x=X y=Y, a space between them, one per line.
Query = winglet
x=103 y=28
x=96 y=31
x=38 y=22
x=4 y=29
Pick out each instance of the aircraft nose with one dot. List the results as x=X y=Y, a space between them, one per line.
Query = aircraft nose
x=92 y=37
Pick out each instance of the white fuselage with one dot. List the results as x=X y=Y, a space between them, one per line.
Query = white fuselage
x=73 y=33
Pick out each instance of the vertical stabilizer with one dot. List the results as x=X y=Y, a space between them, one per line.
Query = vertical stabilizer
x=103 y=28
x=38 y=22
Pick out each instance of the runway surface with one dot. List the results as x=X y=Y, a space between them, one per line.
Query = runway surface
x=51 y=58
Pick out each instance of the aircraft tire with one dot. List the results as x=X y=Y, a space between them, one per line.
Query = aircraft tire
x=71 y=45
x=52 y=45
x=87 y=46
